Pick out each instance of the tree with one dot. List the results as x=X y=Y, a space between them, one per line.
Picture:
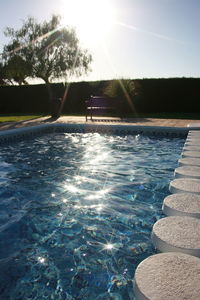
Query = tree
x=47 y=51
x=2 y=74
x=16 y=69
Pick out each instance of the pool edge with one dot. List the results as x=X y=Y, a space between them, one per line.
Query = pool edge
x=31 y=131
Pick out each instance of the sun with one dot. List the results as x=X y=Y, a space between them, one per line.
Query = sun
x=92 y=19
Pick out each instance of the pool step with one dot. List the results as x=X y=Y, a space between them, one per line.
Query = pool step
x=185 y=185
x=192 y=142
x=191 y=148
x=191 y=161
x=183 y=204
x=168 y=276
x=187 y=172
x=177 y=234
x=174 y=274
x=194 y=154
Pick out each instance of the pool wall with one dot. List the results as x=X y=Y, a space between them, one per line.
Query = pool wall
x=11 y=135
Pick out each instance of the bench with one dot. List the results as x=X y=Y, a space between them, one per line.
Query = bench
x=98 y=105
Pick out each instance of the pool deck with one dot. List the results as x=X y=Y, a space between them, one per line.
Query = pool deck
x=180 y=123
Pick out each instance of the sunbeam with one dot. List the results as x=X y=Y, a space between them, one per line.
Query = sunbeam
x=38 y=39
x=157 y=35
x=114 y=70
x=64 y=98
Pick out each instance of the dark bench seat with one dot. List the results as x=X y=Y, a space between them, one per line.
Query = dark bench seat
x=100 y=105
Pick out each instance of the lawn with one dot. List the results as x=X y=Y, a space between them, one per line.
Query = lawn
x=18 y=118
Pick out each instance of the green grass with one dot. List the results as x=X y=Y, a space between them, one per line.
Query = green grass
x=17 y=118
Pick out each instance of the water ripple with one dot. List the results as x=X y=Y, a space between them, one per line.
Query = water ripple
x=76 y=212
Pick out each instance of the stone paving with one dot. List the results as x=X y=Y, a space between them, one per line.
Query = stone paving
x=81 y=120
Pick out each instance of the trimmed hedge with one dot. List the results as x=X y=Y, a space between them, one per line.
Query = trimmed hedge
x=172 y=95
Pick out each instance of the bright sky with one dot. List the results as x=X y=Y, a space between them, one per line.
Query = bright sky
x=127 y=38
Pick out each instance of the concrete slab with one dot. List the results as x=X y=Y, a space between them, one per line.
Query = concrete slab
x=192 y=143
x=196 y=125
x=191 y=148
x=194 y=131
x=189 y=161
x=191 y=154
x=188 y=172
x=183 y=204
x=185 y=185
x=168 y=276
x=194 y=134
x=177 y=234
x=193 y=140
x=193 y=137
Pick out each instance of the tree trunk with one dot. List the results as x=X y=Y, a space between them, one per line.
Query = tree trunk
x=62 y=101
x=53 y=101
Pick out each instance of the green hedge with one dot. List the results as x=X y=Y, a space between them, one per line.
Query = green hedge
x=172 y=95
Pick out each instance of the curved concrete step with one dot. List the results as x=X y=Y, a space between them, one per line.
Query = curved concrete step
x=192 y=142
x=189 y=161
x=177 y=234
x=168 y=276
x=194 y=133
x=193 y=138
x=190 y=154
x=191 y=148
x=182 y=205
x=185 y=185
x=188 y=172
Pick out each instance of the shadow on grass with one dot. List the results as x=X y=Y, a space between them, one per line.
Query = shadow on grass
x=12 y=124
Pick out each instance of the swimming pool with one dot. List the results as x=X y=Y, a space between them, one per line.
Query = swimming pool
x=76 y=213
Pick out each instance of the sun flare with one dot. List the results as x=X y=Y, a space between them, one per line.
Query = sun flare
x=92 y=19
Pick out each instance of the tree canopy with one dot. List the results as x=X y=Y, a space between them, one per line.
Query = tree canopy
x=2 y=74
x=16 y=69
x=44 y=50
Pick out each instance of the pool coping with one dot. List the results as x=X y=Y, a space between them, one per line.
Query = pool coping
x=31 y=131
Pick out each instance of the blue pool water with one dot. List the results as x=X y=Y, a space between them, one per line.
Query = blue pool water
x=76 y=213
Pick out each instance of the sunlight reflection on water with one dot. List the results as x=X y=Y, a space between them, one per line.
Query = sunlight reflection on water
x=77 y=212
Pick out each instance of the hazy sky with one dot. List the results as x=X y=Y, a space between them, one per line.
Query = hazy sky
x=127 y=38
